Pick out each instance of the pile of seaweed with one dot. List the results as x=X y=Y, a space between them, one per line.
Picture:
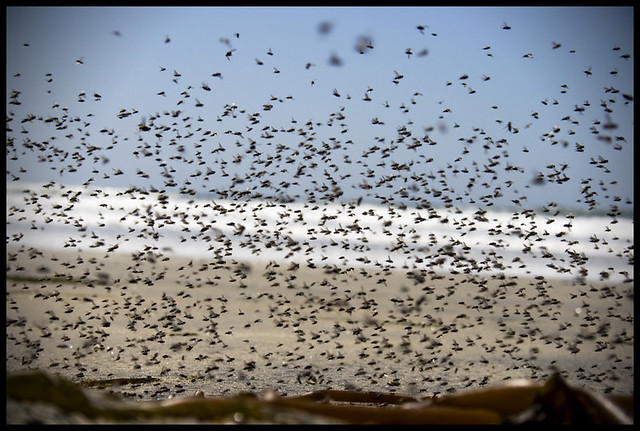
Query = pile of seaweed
x=517 y=402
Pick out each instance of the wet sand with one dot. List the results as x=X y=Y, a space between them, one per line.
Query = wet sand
x=152 y=327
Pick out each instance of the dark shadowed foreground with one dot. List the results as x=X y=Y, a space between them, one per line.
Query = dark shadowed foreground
x=37 y=397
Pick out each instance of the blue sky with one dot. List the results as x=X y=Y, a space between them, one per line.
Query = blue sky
x=467 y=121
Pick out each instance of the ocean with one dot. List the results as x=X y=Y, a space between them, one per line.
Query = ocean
x=445 y=240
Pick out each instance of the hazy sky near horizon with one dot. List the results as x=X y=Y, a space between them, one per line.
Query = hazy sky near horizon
x=471 y=103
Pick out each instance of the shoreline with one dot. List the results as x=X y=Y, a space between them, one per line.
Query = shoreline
x=223 y=329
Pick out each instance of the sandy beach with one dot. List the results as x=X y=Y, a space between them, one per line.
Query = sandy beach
x=151 y=327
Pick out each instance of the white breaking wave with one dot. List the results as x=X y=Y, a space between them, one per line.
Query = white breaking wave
x=444 y=240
